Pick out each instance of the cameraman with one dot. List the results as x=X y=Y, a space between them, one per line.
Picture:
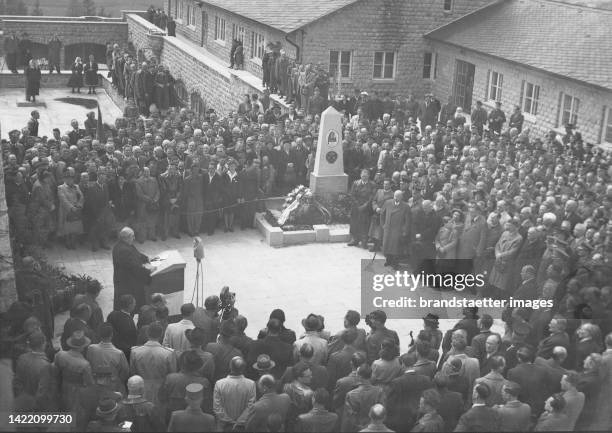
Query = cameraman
x=378 y=332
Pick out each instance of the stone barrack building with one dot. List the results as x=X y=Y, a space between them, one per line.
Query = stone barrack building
x=377 y=44
x=552 y=59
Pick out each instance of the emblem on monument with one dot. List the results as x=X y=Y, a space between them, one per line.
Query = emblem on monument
x=331 y=156
x=332 y=138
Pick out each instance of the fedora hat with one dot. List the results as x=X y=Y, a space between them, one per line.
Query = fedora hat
x=312 y=322
x=78 y=340
x=107 y=407
x=264 y=363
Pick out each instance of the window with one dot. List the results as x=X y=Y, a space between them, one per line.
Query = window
x=430 y=65
x=340 y=60
x=530 y=96
x=238 y=32
x=191 y=16
x=257 y=45
x=219 y=29
x=448 y=5
x=568 y=109
x=606 y=136
x=494 y=86
x=384 y=65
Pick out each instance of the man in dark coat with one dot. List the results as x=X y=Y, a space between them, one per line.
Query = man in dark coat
x=404 y=395
x=130 y=275
x=98 y=213
x=448 y=110
x=11 y=48
x=141 y=89
x=32 y=80
x=533 y=381
x=361 y=194
x=54 y=47
x=429 y=111
x=250 y=191
x=425 y=226
x=479 y=417
x=479 y=117
x=396 y=217
x=213 y=185
x=124 y=330
x=280 y=353
x=171 y=26
x=497 y=118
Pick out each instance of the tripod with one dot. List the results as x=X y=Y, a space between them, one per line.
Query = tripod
x=198 y=285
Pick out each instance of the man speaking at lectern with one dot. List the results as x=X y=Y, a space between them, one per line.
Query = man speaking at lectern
x=132 y=271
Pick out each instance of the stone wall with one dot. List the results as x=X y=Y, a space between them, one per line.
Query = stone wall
x=593 y=101
x=363 y=28
x=8 y=290
x=70 y=30
x=218 y=86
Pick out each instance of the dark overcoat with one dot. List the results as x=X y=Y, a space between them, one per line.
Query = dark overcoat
x=362 y=194
x=129 y=276
x=396 y=226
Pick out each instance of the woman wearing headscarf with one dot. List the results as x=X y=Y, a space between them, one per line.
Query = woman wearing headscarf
x=76 y=79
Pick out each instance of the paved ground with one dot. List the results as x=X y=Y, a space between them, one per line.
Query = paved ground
x=57 y=114
x=316 y=278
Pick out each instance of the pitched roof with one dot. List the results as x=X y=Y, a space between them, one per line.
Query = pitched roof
x=284 y=15
x=566 y=40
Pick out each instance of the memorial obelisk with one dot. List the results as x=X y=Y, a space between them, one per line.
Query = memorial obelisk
x=328 y=177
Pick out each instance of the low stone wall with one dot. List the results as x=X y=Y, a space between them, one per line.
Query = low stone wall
x=321 y=233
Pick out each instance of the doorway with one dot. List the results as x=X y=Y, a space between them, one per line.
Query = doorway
x=463 y=87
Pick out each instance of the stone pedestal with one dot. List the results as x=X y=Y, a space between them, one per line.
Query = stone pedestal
x=328 y=177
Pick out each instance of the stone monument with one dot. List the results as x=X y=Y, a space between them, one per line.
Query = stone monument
x=328 y=177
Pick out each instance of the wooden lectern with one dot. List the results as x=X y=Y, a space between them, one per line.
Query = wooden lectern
x=168 y=277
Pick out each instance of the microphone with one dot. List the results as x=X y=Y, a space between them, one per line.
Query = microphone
x=198 y=249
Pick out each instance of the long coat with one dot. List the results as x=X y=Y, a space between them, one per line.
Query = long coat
x=32 y=78
x=396 y=226
x=162 y=90
x=54 y=47
x=69 y=197
x=471 y=240
x=379 y=199
x=129 y=276
x=505 y=251
x=91 y=74
x=76 y=79
x=361 y=193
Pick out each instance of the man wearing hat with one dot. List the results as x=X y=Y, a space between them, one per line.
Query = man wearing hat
x=280 y=352
x=497 y=118
x=171 y=392
x=74 y=369
x=192 y=419
x=378 y=332
x=107 y=417
x=312 y=325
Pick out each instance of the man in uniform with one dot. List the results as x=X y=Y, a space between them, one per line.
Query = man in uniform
x=192 y=419
x=361 y=195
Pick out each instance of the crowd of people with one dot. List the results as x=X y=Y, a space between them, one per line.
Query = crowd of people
x=531 y=214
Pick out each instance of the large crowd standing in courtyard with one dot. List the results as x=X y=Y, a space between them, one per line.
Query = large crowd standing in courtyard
x=532 y=214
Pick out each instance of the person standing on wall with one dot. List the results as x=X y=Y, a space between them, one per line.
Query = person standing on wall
x=91 y=75
x=32 y=78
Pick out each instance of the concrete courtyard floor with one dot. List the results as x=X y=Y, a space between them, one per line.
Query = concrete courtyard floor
x=315 y=278
x=57 y=114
